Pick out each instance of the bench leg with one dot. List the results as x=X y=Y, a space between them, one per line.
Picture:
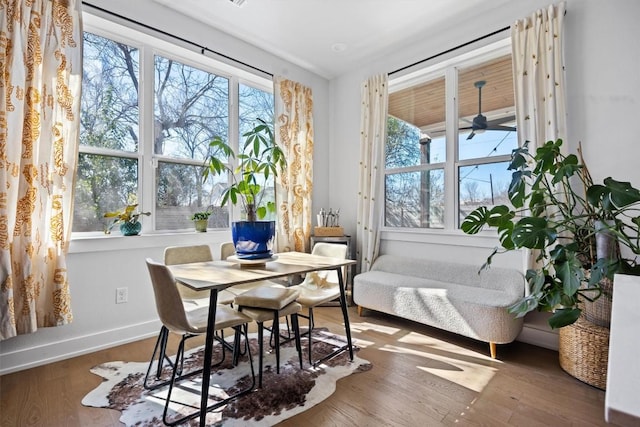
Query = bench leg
x=360 y=310
x=492 y=349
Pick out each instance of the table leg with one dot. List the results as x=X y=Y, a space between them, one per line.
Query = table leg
x=208 y=356
x=345 y=312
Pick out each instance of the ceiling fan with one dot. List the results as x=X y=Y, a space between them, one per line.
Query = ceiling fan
x=480 y=122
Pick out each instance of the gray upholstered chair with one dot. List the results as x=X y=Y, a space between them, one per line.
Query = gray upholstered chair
x=320 y=287
x=191 y=299
x=190 y=323
x=197 y=253
x=270 y=304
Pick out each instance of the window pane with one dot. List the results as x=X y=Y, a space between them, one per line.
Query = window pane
x=491 y=143
x=191 y=108
x=416 y=125
x=483 y=185
x=104 y=184
x=486 y=110
x=407 y=146
x=181 y=192
x=109 y=104
x=256 y=104
x=415 y=199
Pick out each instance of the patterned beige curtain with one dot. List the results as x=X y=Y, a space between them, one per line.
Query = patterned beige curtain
x=41 y=76
x=538 y=70
x=294 y=134
x=373 y=130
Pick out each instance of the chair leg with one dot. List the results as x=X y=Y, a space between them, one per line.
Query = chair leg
x=164 y=338
x=276 y=328
x=296 y=332
x=179 y=358
x=260 y=353
x=160 y=350
x=310 y=339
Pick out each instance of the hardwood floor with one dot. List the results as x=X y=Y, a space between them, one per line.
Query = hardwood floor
x=420 y=377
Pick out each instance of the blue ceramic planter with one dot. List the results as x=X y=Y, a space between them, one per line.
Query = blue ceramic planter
x=253 y=239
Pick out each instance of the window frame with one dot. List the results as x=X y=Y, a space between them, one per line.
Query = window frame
x=447 y=68
x=150 y=46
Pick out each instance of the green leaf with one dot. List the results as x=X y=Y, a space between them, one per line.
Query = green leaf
x=621 y=194
x=536 y=280
x=473 y=223
x=519 y=157
x=564 y=317
x=566 y=169
x=567 y=272
x=517 y=188
x=533 y=233
x=546 y=158
x=523 y=306
x=537 y=203
x=261 y=212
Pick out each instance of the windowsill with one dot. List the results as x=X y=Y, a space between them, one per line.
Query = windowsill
x=484 y=239
x=99 y=242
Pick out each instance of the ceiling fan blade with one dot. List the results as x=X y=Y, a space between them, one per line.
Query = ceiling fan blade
x=472 y=134
x=503 y=128
x=501 y=120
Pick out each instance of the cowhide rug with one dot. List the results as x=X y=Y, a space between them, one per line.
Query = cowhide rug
x=282 y=395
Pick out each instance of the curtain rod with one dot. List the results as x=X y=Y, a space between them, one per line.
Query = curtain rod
x=203 y=49
x=450 y=50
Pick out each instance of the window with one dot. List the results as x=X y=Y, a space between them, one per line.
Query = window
x=450 y=124
x=147 y=117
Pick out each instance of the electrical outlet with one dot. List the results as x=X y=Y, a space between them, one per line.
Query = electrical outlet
x=122 y=295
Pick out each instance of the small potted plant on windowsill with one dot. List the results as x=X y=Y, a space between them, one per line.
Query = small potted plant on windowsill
x=128 y=218
x=201 y=220
x=260 y=159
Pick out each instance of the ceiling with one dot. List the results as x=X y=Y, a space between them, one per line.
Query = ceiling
x=330 y=37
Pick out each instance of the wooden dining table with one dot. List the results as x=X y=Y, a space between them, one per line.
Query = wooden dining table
x=218 y=275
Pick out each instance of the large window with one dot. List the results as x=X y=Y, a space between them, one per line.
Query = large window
x=147 y=119
x=450 y=133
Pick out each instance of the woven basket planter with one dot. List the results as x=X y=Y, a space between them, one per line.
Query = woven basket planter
x=599 y=311
x=584 y=352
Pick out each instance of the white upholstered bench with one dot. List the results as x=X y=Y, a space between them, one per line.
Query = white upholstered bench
x=449 y=296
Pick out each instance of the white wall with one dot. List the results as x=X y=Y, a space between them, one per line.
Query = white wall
x=603 y=91
x=603 y=85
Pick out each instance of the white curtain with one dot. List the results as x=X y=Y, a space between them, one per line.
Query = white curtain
x=539 y=81
x=373 y=126
x=538 y=70
x=41 y=72
x=294 y=187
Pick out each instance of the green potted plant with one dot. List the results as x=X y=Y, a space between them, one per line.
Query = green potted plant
x=201 y=220
x=259 y=159
x=559 y=213
x=128 y=218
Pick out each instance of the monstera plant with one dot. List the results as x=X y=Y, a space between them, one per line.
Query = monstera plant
x=559 y=213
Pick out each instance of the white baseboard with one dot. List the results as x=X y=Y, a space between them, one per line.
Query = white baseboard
x=536 y=331
x=43 y=354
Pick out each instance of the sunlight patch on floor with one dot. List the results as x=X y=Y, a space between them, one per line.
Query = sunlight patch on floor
x=365 y=326
x=415 y=338
x=474 y=376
